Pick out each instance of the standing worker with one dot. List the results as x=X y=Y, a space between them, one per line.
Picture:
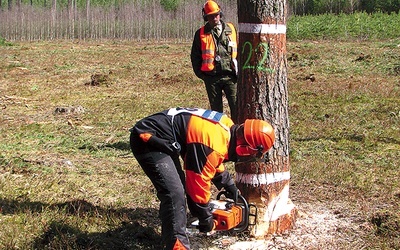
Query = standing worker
x=204 y=139
x=213 y=56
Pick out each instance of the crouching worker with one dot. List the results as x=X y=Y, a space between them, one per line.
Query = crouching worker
x=205 y=140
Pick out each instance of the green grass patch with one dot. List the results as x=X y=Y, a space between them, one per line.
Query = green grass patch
x=68 y=179
x=344 y=27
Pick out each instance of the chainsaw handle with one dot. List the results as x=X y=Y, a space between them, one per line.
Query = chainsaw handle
x=225 y=193
x=246 y=211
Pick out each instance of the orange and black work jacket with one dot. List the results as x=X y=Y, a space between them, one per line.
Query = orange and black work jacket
x=205 y=143
x=213 y=55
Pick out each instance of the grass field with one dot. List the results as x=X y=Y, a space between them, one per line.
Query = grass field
x=69 y=181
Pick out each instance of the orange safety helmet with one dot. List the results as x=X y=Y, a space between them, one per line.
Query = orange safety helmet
x=259 y=135
x=211 y=7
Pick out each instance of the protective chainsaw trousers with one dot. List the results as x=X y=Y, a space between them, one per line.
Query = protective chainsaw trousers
x=167 y=176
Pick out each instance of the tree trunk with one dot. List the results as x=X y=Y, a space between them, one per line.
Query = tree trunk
x=71 y=19
x=88 y=19
x=262 y=94
x=54 y=19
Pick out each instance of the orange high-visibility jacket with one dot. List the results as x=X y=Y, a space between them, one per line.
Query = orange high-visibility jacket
x=204 y=136
x=208 y=47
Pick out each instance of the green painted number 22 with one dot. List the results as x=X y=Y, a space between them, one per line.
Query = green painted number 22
x=260 y=65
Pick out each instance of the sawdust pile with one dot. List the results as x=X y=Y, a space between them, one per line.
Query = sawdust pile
x=317 y=227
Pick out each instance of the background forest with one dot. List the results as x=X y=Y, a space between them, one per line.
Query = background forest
x=178 y=19
x=75 y=75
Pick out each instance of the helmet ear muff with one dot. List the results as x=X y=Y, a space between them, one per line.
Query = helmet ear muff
x=245 y=150
x=204 y=15
x=259 y=133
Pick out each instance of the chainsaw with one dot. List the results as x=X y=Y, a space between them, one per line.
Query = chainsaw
x=231 y=216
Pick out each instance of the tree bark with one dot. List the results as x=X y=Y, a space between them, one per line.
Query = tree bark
x=54 y=19
x=262 y=94
x=88 y=11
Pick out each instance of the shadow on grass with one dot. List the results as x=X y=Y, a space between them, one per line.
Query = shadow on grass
x=118 y=145
x=123 y=146
x=137 y=229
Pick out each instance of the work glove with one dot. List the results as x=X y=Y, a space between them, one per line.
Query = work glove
x=232 y=192
x=206 y=225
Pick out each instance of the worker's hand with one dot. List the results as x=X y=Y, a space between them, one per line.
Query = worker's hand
x=206 y=225
x=232 y=192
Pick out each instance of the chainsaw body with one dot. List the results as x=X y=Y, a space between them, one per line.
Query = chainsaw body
x=230 y=215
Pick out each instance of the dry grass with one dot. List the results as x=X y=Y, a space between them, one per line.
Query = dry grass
x=68 y=179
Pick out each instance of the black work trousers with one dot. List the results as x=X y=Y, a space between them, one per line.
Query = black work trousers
x=167 y=176
x=216 y=86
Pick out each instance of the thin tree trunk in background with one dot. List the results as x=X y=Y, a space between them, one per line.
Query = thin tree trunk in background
x=19 y=25
x=53 y=30
x=262 y=94
x=69 y=11
x=88 y=11
x=88 y=19
x=71 y=18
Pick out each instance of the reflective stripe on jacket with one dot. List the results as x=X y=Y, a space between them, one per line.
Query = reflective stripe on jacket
x=208 y=47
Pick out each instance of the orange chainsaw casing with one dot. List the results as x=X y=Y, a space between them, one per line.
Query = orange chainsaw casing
x=227 y=217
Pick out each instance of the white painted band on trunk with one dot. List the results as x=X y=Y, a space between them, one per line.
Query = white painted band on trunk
x=256 y=28
x=262 y=179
